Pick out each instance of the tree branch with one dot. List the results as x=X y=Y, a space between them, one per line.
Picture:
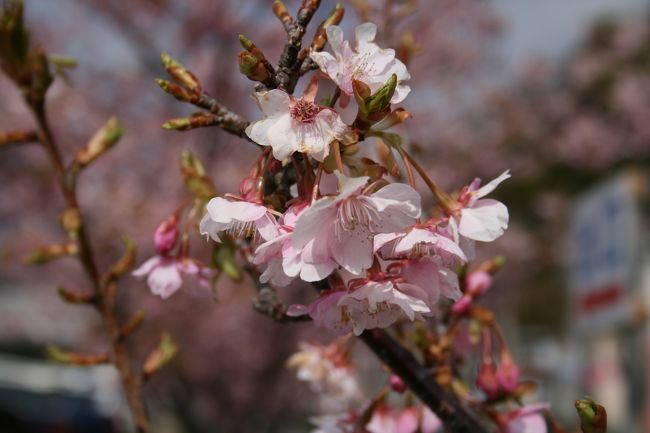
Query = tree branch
x=289 y=65
x=455 y=415
x=105 y=294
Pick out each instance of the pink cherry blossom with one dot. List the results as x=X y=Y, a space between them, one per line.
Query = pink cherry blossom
x=528 y=419
x=433 y=278
x=482 y=219
x=328 y=372
x=341 y=228
x=372 y=305
x=237 y=218
x=165 y=274
x=296 y=125
x=407 y=420
x=367 y=63
x=420 y=241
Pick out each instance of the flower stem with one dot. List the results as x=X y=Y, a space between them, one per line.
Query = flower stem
x=443 y=199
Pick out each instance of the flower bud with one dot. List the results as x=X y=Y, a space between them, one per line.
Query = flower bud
x=593 y=417
x=507 y=373
x=487 y=380
x=477 y=283
x=178 y=92
x=397 y=384
x=105 y=138
x=252 y=67
x=197 y=120
x=462 y=306
x=180 y=74
x=166 y=235
x=380 y=100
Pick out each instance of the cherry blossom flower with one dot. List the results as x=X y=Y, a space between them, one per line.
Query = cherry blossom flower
x=367 y=63
x=482 y=219
x=418 y=242
x=340 y=228
x=296 y=125
x=528 y=419
x=433 y=278
x=237 y=218
x=165 y=274
x=344 y=422
x=328 y=373
x=371 y=305
x=408 y=420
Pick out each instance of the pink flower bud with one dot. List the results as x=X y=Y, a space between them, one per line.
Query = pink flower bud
x=397 y=384
x=166 y=235
x=477 y=283
x=487 y=380
x=462 y=306
x=507 y=373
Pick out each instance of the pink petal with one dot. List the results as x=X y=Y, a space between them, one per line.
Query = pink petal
x=491 y=186
x=146 y=267
x=485 y=221
x=165 y=280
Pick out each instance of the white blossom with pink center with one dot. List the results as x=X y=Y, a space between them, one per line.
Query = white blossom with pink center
x=165 y=274
x=366 y=63
x=237 y=218
x=341 y=228
x=481 y=219
x=296 y=124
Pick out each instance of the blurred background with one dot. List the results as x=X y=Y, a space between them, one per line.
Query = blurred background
x=558 y=91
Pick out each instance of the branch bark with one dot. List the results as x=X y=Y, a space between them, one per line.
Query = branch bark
x=289 y=65
x=104 y=295
x=456 y=416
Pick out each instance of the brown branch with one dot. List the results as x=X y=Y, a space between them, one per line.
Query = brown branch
x=17 y=137
x=455 y=415
x=289 y=65
x=104 y=294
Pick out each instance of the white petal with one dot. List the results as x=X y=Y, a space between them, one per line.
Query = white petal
x=349 y=185
x=335 y=38
x=365 y=34
x=311 y=222
x=146 y=267
x=354 y=250
x=208 y=227
x=259 y=131
x=282 y=137
x=224 y=211
x=164 y=281
x=273 y=103
x=486 y=221
x=491 y=186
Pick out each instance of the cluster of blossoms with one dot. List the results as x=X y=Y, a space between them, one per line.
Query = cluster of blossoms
x=317 y=209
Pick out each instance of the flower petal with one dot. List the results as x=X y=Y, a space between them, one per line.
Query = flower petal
x=485 y=221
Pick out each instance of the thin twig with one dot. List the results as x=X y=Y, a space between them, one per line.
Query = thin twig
x=105 y=295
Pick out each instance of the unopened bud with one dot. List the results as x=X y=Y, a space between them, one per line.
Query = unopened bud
x=487 y=380
x=103 y=140
x=198 y=120
x=47 y=253
x=593 y=417
x=397 y=384
x=477 y=283
x=507 y=373
x=462 y=306
x=166 y=235
x=71 y=221
x=162 y=355
x=380 y=100
x=178 y=92
x=252 y=67
x=179 y=73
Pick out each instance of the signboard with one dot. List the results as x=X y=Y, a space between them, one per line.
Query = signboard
x=604 y=253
